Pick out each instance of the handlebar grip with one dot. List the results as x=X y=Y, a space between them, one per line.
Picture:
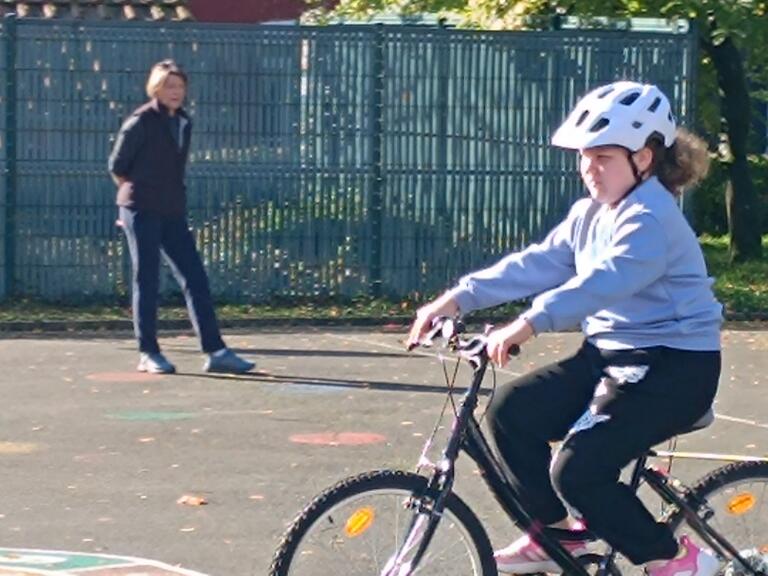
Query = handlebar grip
x=514 y=350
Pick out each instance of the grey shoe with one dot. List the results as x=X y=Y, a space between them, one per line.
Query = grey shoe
x=228 y=363
x=155 y=364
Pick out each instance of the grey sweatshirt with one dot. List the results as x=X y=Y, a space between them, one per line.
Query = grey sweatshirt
x=634 y=276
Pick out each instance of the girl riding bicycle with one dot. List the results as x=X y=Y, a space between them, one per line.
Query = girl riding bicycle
x=627 y=266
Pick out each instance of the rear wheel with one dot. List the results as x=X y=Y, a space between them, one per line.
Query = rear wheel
x=359 y=526
x=737 y=496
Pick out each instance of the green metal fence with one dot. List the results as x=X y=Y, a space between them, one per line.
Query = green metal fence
x=325 y=161
x=6 y=241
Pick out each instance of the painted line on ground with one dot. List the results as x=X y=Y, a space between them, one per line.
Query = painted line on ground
x=741 y=420
x=30 y=562
x=448 y=356
x=512 y=373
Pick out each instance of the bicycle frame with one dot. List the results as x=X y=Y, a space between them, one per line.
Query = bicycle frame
x=467 y=436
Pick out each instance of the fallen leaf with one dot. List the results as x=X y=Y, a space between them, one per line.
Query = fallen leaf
x=190 y=500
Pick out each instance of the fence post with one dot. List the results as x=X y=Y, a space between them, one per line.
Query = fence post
x=10 y=153
x=688 y=200
x=376 y=203
x=444 y=207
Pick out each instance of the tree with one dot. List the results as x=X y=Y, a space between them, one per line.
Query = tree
x=733 y=37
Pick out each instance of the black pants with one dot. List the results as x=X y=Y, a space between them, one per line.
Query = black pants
x=148 y=235
x=609 y=407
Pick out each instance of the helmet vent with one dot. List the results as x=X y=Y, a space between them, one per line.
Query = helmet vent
x=599 y=125
x=629 y=98
x=637 y=124
x=605 y=92
x=656 y=102
x=582 y=117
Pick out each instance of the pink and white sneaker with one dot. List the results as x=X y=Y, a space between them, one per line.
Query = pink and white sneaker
x=694 y=562
x=524 y=556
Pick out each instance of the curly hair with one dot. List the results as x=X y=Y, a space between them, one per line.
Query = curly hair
x=682 y=165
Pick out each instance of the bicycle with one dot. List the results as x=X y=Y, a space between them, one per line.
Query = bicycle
x=397 y=523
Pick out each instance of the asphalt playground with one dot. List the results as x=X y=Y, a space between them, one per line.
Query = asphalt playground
x=108 y=472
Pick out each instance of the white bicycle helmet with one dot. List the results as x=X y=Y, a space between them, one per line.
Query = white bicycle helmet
x=620 y=114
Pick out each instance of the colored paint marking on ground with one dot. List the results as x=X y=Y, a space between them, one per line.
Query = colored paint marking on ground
x=22 y=562
x=124 y=377
x=145 y=416
x=338 y=439
x=310 y=388
x=16 y=448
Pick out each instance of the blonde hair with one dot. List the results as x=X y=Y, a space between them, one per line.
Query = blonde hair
x=159 y=74
x=682 y=165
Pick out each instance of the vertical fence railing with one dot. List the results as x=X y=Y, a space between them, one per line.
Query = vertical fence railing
x=325 y=161
x=4 y=269
x=377 y=177
x=10 y=182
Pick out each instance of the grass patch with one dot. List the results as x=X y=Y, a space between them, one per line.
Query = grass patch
x=28 y=310
x=742 y=288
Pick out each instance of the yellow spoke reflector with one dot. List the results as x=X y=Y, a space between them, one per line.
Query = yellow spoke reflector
x=741 y=503
x=359 y=522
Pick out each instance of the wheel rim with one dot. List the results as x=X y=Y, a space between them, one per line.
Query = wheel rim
x=362 y=534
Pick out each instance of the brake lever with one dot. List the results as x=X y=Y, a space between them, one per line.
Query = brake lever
x=443 y=326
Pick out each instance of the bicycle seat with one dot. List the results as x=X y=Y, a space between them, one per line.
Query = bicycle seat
x=703 y=422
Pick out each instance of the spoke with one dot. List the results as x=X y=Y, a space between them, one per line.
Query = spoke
x=328 y=549
x=424 y=561
x=397 y=527
x=438 y=553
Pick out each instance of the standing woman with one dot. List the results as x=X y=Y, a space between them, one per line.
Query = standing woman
x=147 y=164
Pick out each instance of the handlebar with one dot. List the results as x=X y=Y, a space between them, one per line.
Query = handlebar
x=449 y=330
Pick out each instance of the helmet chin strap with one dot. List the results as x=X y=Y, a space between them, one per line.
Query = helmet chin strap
x=635 y=171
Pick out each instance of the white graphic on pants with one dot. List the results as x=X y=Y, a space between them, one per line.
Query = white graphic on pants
x=627 y=374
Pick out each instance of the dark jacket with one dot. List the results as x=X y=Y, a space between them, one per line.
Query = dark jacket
x=152 y=160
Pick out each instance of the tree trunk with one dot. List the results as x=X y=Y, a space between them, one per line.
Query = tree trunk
x=741 y=200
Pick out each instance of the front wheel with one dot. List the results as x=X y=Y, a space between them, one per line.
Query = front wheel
x=366 y=525
x=736 y=498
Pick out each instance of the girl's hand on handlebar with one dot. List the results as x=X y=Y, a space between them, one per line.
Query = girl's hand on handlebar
x=443 y=306
x=502 y=339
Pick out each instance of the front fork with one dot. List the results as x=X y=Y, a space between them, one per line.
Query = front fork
x=428 y=511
